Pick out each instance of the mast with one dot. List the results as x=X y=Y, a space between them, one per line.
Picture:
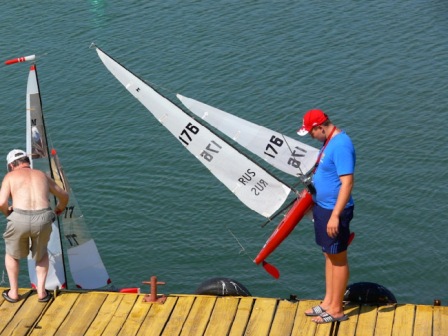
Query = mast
x=47 y=151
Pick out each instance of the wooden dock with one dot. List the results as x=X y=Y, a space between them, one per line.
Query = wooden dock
x=109 y=313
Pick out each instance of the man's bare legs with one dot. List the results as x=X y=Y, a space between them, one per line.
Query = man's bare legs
x=336 y=278
x=12 y=268
x=41 y=273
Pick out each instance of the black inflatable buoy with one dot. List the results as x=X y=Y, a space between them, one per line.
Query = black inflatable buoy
x=222 y=287
x=369 y=293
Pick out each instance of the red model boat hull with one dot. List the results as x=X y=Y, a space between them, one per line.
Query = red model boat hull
x=292 y=218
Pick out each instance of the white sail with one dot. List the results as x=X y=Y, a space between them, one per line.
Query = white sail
x=254 y=186
x=37 y=150
x=285 y=153
x=86 y=266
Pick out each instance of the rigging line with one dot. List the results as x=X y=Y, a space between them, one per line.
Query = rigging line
x=282 y=283
x=243 y=250
x=160 y=88
x=39 y=57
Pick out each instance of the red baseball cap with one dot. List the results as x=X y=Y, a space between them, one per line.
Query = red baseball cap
x=311 y=119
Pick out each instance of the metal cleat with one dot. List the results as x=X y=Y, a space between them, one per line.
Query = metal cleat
x=153 y=297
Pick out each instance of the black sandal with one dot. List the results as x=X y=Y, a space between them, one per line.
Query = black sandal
x=8 y=298
x=47 y=297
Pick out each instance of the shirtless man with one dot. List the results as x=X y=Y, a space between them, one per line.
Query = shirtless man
x=29 y=220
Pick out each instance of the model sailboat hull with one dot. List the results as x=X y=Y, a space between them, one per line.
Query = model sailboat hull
x=292 y=218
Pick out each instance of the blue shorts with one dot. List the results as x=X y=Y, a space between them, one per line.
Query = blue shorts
x=330 y=245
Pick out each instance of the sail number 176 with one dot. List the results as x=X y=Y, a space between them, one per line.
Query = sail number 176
x=275 y=143
x=185 y=136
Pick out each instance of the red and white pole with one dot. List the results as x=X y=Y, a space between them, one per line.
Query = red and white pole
x=21 y=59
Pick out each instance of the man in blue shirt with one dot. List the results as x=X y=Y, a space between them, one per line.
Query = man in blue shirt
x=333 y=210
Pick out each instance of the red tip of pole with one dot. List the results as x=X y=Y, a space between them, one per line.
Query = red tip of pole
x=53 y=152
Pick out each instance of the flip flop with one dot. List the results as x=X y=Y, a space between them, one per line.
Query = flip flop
x=8 y=298
x=47 y=297
x=317 y=310
x=327 y=318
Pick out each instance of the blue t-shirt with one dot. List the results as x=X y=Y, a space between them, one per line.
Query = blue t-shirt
x=337 y=159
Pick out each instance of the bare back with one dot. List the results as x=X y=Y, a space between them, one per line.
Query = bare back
x=29 y=189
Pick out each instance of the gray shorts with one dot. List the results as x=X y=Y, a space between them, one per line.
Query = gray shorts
x=28 y=230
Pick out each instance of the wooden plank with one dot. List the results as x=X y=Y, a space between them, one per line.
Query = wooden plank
x=284 y=318
x=423 y=321
x=222 y=316
x=157 y=317
x=26 y=314
x=85 y=309
x=105 y=314
x=348 y=328
x=179 y=315
x=261 y=317
x=385 y=320
x=324 y=329
x=135 y=318
x=101 y=313
x=9 y=310
x=404 y=320
x=242 y=316
x=121 y=314
x=303 y=324
x=56 y=314
x=366 y=320
x=199 y=316
x=440 y=320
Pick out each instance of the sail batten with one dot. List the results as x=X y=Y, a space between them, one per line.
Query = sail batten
x=253 y=185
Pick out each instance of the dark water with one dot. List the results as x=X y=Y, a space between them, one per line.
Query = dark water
x=378 y=68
